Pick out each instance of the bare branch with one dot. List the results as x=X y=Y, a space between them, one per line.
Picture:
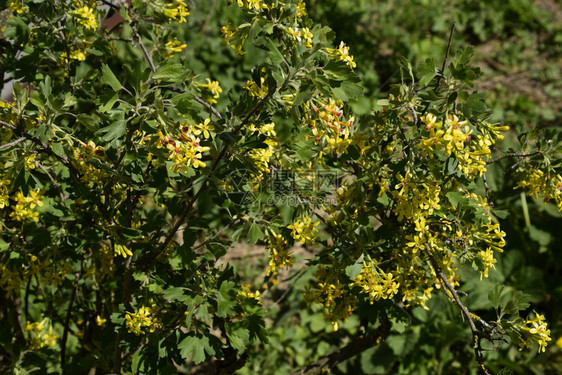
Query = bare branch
x=466 y=314
x=357 y=346
x=513 y=155
x=13 y=143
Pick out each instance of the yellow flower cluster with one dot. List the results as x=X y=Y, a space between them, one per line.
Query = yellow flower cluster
x=4 y=192
x=415 y=199
x=46 y=271
x=456 y=137
x=176 y=11
x=17 y=6
x=234 y=37
x=10 y=281
x=23 y=210
x=251 y=4
x=342 y=53
x=141 y=320
x=86 y=16
x=376 y=283
x=332 y=127
x=172 y=47
x=245 y=292
x=75 y=54
x=279 y=255
x=262 y=156
x=534 y=330
x=301 y=34
x=212 y=90
x=331 y=292
x=40 y=334
x=546 y=185
x=122 y=250
x=84 y=154
x=304 y=230
x=256 y=91
x=186 y=150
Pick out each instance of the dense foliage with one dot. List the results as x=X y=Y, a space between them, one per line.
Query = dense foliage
x=400 y=225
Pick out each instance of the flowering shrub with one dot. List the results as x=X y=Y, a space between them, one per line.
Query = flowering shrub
x=127 y=174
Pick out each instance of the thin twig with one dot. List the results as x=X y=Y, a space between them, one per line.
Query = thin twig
x=208 y=106
x=513 y=155
x=455 y=297
x=13 y=143
x=67 y=321
x=451 y=33
x=357 y=346
x=145 y=51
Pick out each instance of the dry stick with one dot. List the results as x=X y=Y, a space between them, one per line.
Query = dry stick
x=45 y=148
x=462 y=307
x=67 y=321
x=357 y=346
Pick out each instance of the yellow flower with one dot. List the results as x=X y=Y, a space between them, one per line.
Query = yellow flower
x=86 y=17
x=18 y=6
x=177 y=11
x=342 y=53
x=214 y=88
x=173 y=46
x=304 y=231
x=204 y=128
x=143 y=318
x=122 y=250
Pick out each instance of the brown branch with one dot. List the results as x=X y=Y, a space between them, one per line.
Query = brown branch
x=357 y=346
x=145 y=51
x=13 y=143
x=513 y=155
x=455 y=297
x=208 y=106
x=452 y=32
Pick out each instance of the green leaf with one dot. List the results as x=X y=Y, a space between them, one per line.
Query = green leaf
x=457 y=198
x=426 y=72
x=353 y=271
x=114 y=131
x=108 y=78
x=175 y=294
x=274 y=54
x=109 y=103
x=4 y=245
x=255 y=234
x=196 y=346
x=226 y=299
x=171 y=72
x=495 y=294
x=237 y=335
